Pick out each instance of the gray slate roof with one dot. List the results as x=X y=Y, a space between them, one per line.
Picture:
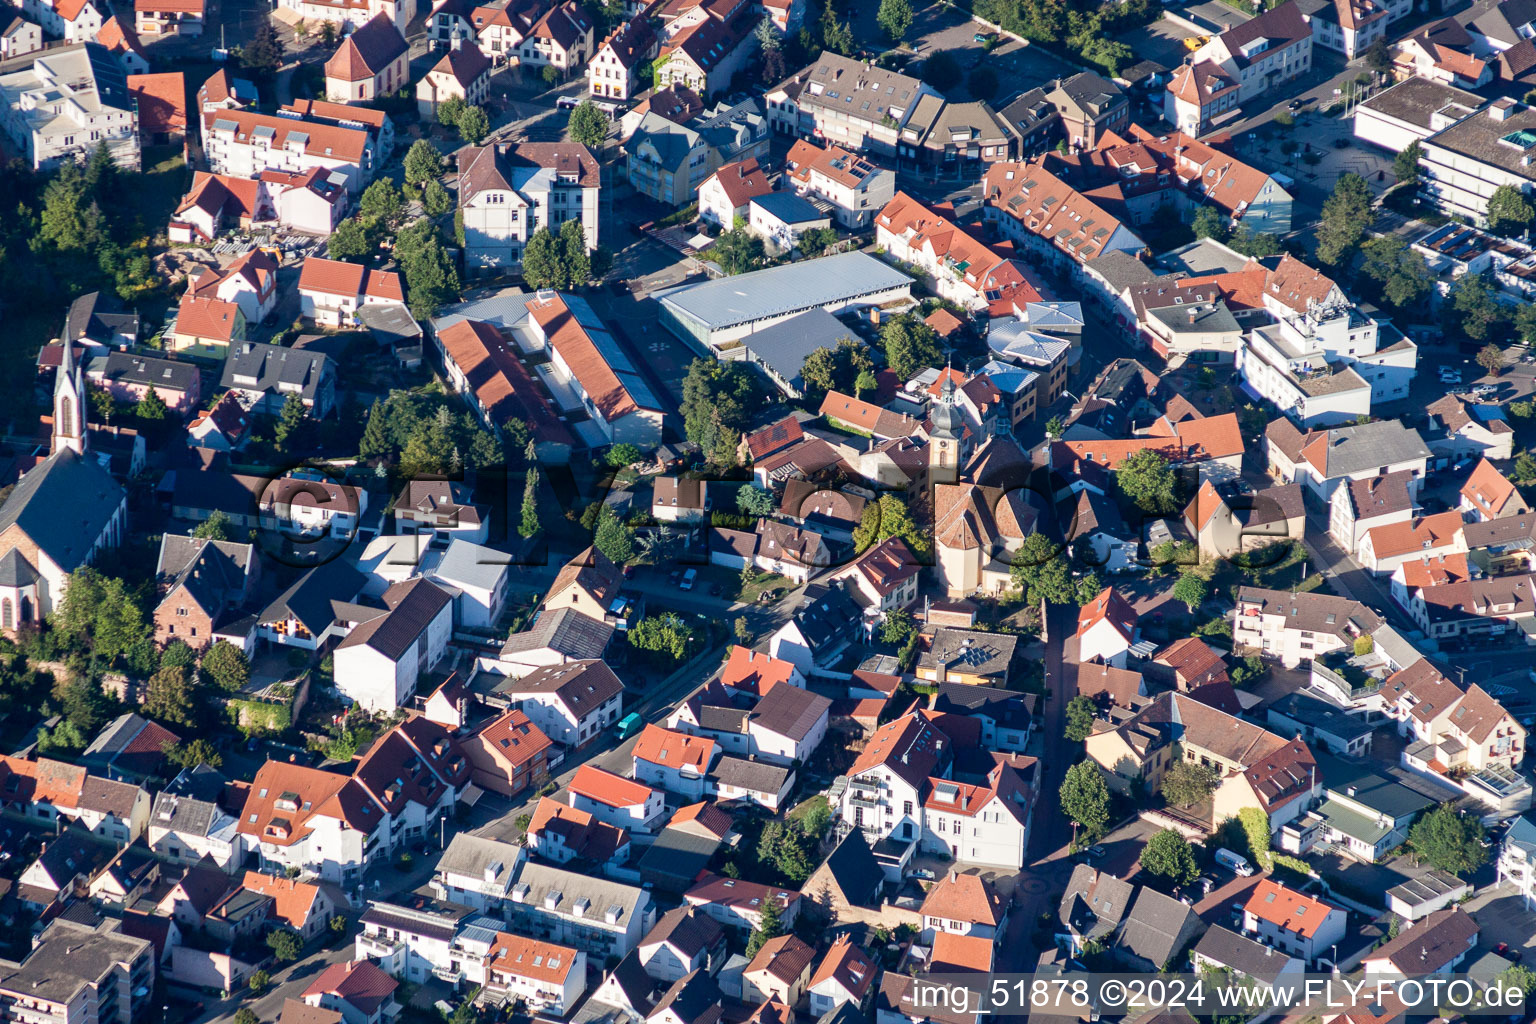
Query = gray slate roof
x=64 y=505
x=253 y=366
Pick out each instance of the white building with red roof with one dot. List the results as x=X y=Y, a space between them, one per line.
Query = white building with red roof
x=1106 y=629
x=332 y=291
x=674 y=761
x=613 y=72
x=726 y=194
x=846 y=975
x=464 y=74
x=546 y=977
x=903 y=786
x=964 y=269
x=357 y=989
x=160 y=18
x=1489 y=495
x=244 y=143
x=883 y=578
x=320 y=823
x=1259 y=55
x=507 y=192
x=562 y=38
x=372 y=62
x=610 y=798
x=74 y=21
x=855 y=187
x=617 y=399
x=1293 y=922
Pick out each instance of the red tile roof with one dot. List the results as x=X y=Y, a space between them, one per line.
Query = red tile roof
x=607 y=788
x=742 y=181
x=162 y=100
x=670 y=749
x=754 y=672
x=1291 y=910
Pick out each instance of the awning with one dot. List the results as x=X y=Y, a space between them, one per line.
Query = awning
x=472 y=793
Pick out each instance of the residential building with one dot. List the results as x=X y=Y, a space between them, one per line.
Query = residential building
x=855 y=188
x=737 y=903
x=60 y=104
x=727 y=194
x=615 y=800
x=73 y=21
x=1301 y=925
x=1489 y=495
x=1321 y=460
x=704 y=56
x=674 y=761
x=1460 y=430
x=188 y=822
x=1299 y=627
x=561 y=39
x=244 y=144
x=561 y=833
x=1468 y=729
x=1257 y=55
x=1464 y=163
x=321 y=823
x=1258 y=768
x=90 y=974
x=1436 y=945
x=780 y=972
x=1516 y=861
x=1384 y=548
x=463 y=74
x=369 y=64
x=204 y=588
x=497 y=388
x=381 y=659
x=507 y=192
x=1089 y=107
x=19 y=37
x=333 y=291
x=602 y=918
x=573 y=703
x=883 y=578
x=1248 y=960
x=1365 y=504
x=963 y=269
x=587 y=358
x=903 y=786
x=352 y=14
x=612 y=73
x=356 y=989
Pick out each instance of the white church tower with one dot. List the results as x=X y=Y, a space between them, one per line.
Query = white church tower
x=68 y=405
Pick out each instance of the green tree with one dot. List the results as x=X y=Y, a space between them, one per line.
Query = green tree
x=1250 y=243
x=246 y=1015
x=193 y=752
x=982 y=81
x=226 y=667
x=613 y=538
x=890 y=517
x=770 y=926
x=449 y=111
x=1040 y=571
x=941 y=70
x=473 y=124
x=259 y=980
x=864 y=382
x=348 y=242
x=589 y=124
x=1054 y=426
x=910 y=345
x=1491 y=358
x=1088 y=588
x=1525 y=323
x=1169 y=856
x=819 y=370
x=1345 y=217
x=431 y=279
x=897 y=626
x=100 y=614
x=1473 y=309
x=550 y=74
x=152 y=407
x=720 y=398
x=382 y=204
x=1405 y=166
x=1508 y=211
x=1449 y=841
x=1147 y=479
x=1255 y=825
x=815 y=241
x=1521 y=977
x=64 y=224
x=530 y=523
x=742 y=629
x=1081 y=713
x=1084 y=799
x=662 y=634
x=836 y=35
x=435 y=199
x=573 y=253
x=263 y=55
x=1191 y=590
x=543 y=266
x=895 y=18
x=422 y=162
x=1378 y=57
x=1207 y=224
x=1403 y=275
x=1525 y=467
x=171 y=696
x=289 y=422
x=284 y=944
x=738 y=251
x=1187 y=782
x=621 y=455
x=216 y=527
x=754 y=501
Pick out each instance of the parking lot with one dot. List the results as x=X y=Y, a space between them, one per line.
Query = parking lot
x=1161 y=42
x=1503 y=917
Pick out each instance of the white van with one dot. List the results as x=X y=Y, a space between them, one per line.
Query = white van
x=1238 y=865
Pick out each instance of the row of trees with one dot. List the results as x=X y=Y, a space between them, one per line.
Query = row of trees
x=425 y=434
x=720 y=400
x=1084 y=30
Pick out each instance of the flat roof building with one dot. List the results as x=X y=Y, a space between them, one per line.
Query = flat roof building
x=711 y=314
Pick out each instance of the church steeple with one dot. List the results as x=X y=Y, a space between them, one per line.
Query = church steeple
x=68 y=404
x=946 y=427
